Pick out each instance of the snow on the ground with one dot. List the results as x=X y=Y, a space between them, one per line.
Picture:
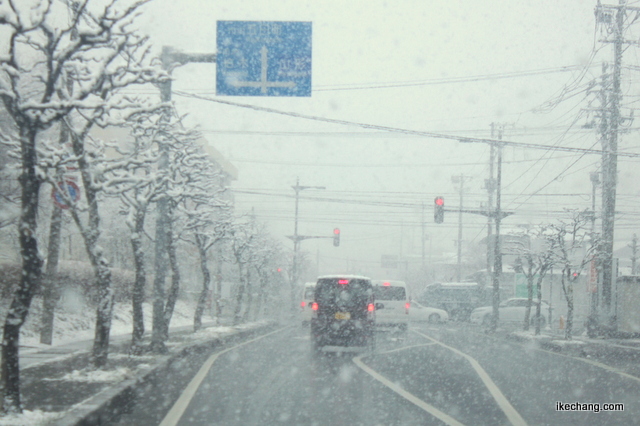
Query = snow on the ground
x=75 y=320
x=90 y=375
x=529 y=335
x=31 y=418
x=568 y=342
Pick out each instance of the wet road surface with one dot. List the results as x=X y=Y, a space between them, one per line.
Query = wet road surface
x=448 y=374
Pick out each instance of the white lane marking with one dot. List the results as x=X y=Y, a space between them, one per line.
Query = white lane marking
x=173 y=416
x=447 y=419
x=405 y=348
x=514 y=417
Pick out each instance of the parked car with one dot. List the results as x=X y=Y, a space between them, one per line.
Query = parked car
x=421 y=314
x=343 y=313
x=393 y=303
x=305 y=304
x=510 y=311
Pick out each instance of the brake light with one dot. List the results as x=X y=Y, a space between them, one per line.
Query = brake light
x=314 y=306
x=406 y=308
x=371 y=307
x=386 y=284
x=343 y=281
x=303 y=304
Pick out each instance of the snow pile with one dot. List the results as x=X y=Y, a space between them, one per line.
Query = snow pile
x=96 y=376
x=32 y=418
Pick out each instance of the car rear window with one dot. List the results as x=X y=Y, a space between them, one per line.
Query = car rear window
x=389 y=293
x=330 y=294
x=308 y=292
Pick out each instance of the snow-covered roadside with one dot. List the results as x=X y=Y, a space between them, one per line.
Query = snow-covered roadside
x=75 y=321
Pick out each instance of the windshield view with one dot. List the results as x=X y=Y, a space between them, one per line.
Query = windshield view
x=319 y=212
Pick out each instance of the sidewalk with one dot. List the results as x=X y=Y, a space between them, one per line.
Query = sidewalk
x=59 y=386
x=621 y=355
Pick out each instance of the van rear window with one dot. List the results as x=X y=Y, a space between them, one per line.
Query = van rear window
x=333 y=295
x=389 y=293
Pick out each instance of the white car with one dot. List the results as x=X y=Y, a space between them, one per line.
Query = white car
x=305 y=305
x=420 y=314
x=393 y=301
x=510 y=311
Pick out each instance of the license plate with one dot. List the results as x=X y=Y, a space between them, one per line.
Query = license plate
x=343 y=315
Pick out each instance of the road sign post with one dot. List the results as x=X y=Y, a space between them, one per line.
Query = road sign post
x=261 y=58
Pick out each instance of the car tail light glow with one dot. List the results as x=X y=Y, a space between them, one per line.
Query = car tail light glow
x=370 y=307
x=387 y=284
x=343 y=281
x=303 y=304
x=314 y=306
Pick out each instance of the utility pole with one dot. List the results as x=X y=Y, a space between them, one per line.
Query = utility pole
x=297 y=238
x=490 y=185
x=422 y=240
x=497 y=256
x=595 y=181
x=610 y=129
x=460 y=180
x=634 y=254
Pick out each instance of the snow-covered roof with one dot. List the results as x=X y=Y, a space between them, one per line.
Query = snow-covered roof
x=346 y=277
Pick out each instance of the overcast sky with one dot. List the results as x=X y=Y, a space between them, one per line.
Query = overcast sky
x=362 y=52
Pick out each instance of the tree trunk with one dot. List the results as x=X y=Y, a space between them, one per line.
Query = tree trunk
x=161 y=257
x=527 y=311
x=172 y=297
x=239 y=296
x=247 y=311
x=218 y=293
x=204 y=294
x=568 y=332
x=51 y=293
x=538 y=306
x=31 y=272
x=138 y=286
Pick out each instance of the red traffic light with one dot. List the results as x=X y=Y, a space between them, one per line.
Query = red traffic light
x=438 y=210
x=336 y=237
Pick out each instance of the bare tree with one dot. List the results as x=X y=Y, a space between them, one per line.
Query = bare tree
x=208 y=216
x=573 y=250
x=535 y=259
x=62 y=70
x=242 y=238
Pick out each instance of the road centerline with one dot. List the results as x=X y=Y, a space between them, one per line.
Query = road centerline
x=512 y=414
x=444 y=417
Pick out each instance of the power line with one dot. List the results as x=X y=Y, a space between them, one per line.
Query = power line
x=434 y=135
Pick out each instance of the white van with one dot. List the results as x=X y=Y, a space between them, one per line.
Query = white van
x=305 y=304
x=394 y=297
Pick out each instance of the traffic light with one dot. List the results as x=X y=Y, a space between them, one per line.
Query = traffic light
x=336 y=237
x=438 y=210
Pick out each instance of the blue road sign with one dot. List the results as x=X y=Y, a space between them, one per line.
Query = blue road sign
x=260 y=58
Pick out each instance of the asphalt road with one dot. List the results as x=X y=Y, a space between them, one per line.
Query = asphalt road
x=449 y=374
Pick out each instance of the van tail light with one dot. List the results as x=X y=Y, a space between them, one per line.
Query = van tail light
x=314 y=306
x=406 y=308
x=371 y=307
x=303 y=304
